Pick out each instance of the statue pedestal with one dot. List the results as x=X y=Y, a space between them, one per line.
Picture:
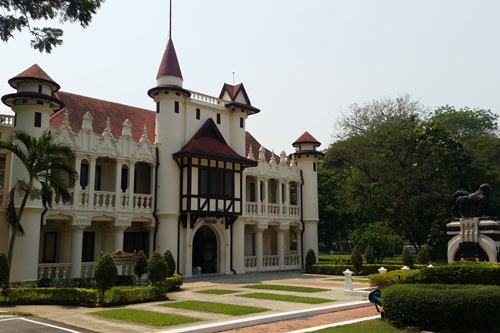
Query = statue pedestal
x=473 y=239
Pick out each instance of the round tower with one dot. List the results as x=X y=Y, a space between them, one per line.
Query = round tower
x=307 y=158
x=33 y=103
x=170 y=99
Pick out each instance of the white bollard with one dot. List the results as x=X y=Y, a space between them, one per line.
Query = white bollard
x=348 y=280
x=405 y=268
x=430 y=266
x=382 y=270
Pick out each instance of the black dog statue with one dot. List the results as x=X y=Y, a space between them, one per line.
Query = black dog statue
x=479 y=199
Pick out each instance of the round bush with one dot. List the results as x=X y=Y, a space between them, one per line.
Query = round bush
x=157 y=269
x=105 y=274
x=357 y=259
x=436 y=306
x=169 y=258
x=382 y=281
x=370 y=259
x=310 y=258
x=407 y=258
x=4 y=269
x=423 y=256
x=141 y=265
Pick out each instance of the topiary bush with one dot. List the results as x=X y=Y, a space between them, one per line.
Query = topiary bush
x=357 y=259
x=105 y=274
x=407 y=258
x=423 y=256
x=157 y=269
x=437 y=307
x=460 y=273
x=174 y=282
x=382 y=281
x=4 y=270
x=310 y=258
x=169 y=258
x=141 y=265
x=136 y=295
x=370 y=259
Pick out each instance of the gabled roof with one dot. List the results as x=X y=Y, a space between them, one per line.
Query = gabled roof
x=77 y=106
x=306 y=138
x=251 y=141
x=34 y=73
x=233 y=92
x=208 y=141
x=169 y=63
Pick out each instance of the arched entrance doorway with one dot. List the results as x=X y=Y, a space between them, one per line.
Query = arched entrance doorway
x=470 y=251
x=205 y=250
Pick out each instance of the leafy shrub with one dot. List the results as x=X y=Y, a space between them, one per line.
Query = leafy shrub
x=157 y=268
x=436 y=306
x=124 y=280
x=462 y=273
x=136 y=295
x=169 y=258
x=141 y=265
x=329 y=269
x=407 y=258
x=380 y=237
x=173 y=282
x=60 y=296
x=382 y=281
x=4 y=269
x=370 y=259
x=423 y=256
x=24 y=284
x=85 y=282
x=357 y=259
x=310 y=258
x=105 y=274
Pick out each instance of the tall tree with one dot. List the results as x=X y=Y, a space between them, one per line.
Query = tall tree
x=21 y=14
x=43 y=160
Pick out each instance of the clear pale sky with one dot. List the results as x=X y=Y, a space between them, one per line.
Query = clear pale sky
x=302 y=62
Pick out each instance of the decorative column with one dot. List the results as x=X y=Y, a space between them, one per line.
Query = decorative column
x=151 y=241
x=238 y=245
x=280 y=197
x=259 y=202
x=259 y=248
x=287 y=198
x=118 y=238
x=91 y=183
x=153 y=186
x=280 y=244
x=298 y=233
x=76 y=190
x=131 y=182
x=118 y=183
x=76 y=251
x=266 y=196
x=65 y=248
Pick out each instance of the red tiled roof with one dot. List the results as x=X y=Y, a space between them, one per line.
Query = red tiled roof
x=306 y=138
x=251 y=141
x=33 y=72
x=208 y=140
x=169 y=64
x=233 y=91
x=77 y=106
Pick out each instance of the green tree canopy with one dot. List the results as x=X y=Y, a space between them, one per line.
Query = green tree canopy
x=21 y=14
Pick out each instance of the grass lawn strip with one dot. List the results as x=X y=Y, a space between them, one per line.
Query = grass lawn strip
x=145 y=317
x=228 y=309
x=371 y=326
x=217 y=291
x=287 y=298
x=286 y=288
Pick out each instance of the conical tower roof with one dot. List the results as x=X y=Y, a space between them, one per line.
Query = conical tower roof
x=169 y=63
x=34 y=73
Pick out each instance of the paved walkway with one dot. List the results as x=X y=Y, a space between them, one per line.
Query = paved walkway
x=79 y=316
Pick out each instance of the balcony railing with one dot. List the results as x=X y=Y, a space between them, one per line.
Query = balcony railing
x=292 y=260
x=250 y=263
x=104 y=200
x=54 y=271
x=271 y=261
x=7 y=120
x=271 y=210
x=143 y=202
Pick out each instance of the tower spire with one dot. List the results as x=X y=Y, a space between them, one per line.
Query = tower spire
x=170 y=21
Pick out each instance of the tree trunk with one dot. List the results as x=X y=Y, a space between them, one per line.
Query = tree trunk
x=15 y=231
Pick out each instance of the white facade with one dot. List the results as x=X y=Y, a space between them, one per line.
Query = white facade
x=132 y=192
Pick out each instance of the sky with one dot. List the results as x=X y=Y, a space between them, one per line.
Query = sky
x=303 y=63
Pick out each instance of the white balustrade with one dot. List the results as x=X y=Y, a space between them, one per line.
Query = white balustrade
x=292 y=260
x=271 y=261
x=83 y=200
x=88 y=269
x=294 y=210
x=273 y=209
x=57 y=202
x=252 y=208
x=104 y=200
x=250 y=263
x=124 y=199
x=206 y=98
x=143 y=202
x=6 y=120
x=54 y=271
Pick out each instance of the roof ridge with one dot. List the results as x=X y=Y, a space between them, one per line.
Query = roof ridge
x=104 y=100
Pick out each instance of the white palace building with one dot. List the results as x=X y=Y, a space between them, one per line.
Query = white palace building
x=186 y=177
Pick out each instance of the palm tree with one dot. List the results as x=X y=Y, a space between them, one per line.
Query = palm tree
x=41 y=157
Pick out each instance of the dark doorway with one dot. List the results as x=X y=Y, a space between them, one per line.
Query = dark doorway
x=470 y=251
x=136 y=241
x=205 y=250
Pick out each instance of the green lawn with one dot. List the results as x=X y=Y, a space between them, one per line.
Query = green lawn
x=287 y=298
x=145 y=317
x=217 y=291
x=228 y=309
x=368 y=326
x=285 y=288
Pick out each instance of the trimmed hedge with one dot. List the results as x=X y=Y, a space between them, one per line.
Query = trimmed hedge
x=460 y=273
x=61 y=296
x=86 y=282
x=174 y=282
x=329 y=269
x=382 y=281
x=137 y=295
x=437 y=306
